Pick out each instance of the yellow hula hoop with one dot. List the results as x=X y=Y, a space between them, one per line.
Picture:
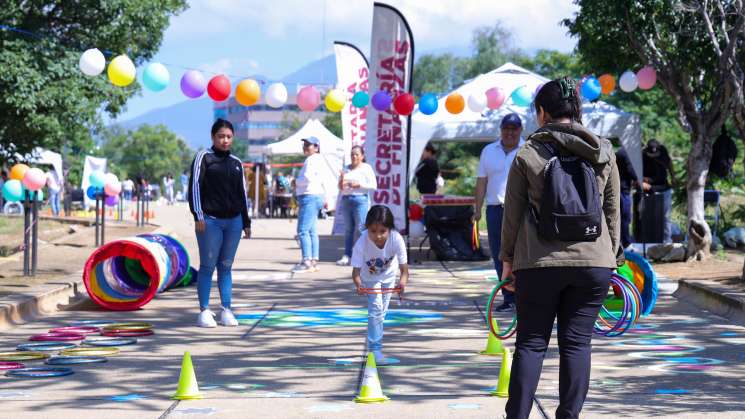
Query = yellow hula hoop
x=127 y=326
x=87 y=351
x=22 y=356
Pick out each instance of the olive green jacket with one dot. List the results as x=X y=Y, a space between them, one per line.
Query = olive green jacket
x=521 y=243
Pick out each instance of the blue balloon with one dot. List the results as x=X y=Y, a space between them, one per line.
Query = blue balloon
x=97 y=179
x=360 y=99
x=13 y=190
x=92 y=191
x=591 y=88
x=156 y=77
x=522 y=96
x=428 y=104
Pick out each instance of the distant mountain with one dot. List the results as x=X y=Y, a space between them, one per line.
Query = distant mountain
x=321 y=72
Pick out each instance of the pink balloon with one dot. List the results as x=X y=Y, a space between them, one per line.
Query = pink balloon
x=113 y=189
x=308 y=99
x=34 y=179
x=495 y=97
x=647 y=77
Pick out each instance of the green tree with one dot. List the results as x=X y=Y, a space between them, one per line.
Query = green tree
x=332 y=122
x=438 y=73
x=46 y=101
x=150 y=151
x=695 y=47
x=492 y=47
x=553 y=64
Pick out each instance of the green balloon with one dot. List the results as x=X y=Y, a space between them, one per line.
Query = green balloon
x=13 y=190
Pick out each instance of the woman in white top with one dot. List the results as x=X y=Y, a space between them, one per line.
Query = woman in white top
x=310 y=192
x=355 y=183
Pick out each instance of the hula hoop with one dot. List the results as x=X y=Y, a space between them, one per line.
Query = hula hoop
x=91 y=351
x=56 y=337
x=106 y=342
x=81 y=330
x=630 y=312
x=95 y=323
x=39 y=372
x=649 y=293
x=128 y=333
x=489 y=316
x=127 y=326
x=22 y=356
x=74 y=360
x=370 y=291
x=45 y=346
x=11 y=366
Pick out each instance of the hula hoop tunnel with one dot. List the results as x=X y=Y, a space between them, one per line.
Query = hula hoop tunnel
x=126 y=274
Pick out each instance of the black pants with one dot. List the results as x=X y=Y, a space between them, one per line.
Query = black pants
x=625 y=219
x=574 y=296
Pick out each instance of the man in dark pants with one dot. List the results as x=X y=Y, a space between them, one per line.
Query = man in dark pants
x=494 y=165
x=628 y=178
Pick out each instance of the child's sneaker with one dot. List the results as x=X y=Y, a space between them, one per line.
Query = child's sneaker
x=314 y=264
x=303 y=267
x=227 y=318
x=206 y=319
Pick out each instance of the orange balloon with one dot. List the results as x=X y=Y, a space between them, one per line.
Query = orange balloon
x=18 y=171
x=455 y=103
x=247 y=92
x=607 y=83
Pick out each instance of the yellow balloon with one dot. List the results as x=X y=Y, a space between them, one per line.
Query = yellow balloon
x=121 y=71
x=247 y=92
x=335 y=100
x=18 y=171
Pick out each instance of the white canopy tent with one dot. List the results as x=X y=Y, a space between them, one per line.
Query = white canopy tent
x=601 y=118
x=332 y=150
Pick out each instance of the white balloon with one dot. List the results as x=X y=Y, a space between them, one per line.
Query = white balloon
x=416 y=229
x=477 y=102
x=628 y=81
x=92 y=62
x=276 y=95
x=110 y=179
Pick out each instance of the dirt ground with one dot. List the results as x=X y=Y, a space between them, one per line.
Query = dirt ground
x=725 y=264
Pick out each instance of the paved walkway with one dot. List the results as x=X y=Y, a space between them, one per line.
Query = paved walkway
x=298 y=352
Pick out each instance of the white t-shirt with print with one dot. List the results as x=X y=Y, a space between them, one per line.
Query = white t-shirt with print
x=376 y=264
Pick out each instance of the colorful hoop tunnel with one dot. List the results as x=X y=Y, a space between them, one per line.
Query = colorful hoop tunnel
x=643 y=273
x=126 y=274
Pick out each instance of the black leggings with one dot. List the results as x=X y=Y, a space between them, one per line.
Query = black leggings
x=574 y=296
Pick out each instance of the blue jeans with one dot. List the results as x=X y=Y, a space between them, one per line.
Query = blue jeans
x=355 y=211
x=494 y=215
x=667 y=236
x=54 y=202
x=307 y=218
x=377 y=307
x=217 y=246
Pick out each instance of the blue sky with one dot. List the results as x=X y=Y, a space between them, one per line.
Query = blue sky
x=274 y=38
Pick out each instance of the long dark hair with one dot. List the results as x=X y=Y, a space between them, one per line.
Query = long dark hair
x=221 y=123
x=361 y=149
x=380 y=214
x=559 y=98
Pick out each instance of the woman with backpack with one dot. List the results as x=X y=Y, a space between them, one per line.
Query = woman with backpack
x=560 y=238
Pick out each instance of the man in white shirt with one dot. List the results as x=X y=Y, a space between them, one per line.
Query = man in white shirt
x=494 y=166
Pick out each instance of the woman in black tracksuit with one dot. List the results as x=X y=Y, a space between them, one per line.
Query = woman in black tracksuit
x=217 y=199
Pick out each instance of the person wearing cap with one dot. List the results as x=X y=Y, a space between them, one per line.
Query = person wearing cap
x=494 y=165
x=656 y=164
x=310 y=192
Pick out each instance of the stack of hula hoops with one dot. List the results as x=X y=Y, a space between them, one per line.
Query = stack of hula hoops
x=70 y=345
x=634 y=293
x=126 y=274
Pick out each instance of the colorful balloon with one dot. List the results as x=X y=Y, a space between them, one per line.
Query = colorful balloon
x=18 y=171
x=97 y=179
x=92 y=62
x=521 y=96
x=477 y=102
x=276 y=95
x=218 y=88
x=34 y=179
x=156 y=77
x=40 y=195
x=308 y=98
x=121 y=71
x=335 y=100
x=628 y=81
x=455 y=103
x=381 y=101
x=647 y=77
x=92 y=192
x=607 y=83
x=428 y=104
x=113 y=189
x=360 y=99
x=591 y=88
x=111 y=200
x=193 y=84
x=13 y=190
x=495 y=97
x=247 y=92
x=404 y=104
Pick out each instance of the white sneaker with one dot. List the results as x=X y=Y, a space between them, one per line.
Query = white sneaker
x=303 y=267
x=206 y=319
x=379 y=357
x=227 y=318
x=344 y=261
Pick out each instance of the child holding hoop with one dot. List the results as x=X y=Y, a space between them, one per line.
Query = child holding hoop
x=378 y=254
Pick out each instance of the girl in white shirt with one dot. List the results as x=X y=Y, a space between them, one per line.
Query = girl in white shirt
x=377 y=255
x=355 y=183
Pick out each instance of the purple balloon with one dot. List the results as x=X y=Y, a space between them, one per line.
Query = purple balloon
x=112 y=200
x=381 y=101
x=193 y=84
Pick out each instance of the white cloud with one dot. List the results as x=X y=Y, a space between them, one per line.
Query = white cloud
x=435 y=23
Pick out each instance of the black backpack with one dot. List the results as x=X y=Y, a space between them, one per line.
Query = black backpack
x=723 y=155
x=570 y=206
